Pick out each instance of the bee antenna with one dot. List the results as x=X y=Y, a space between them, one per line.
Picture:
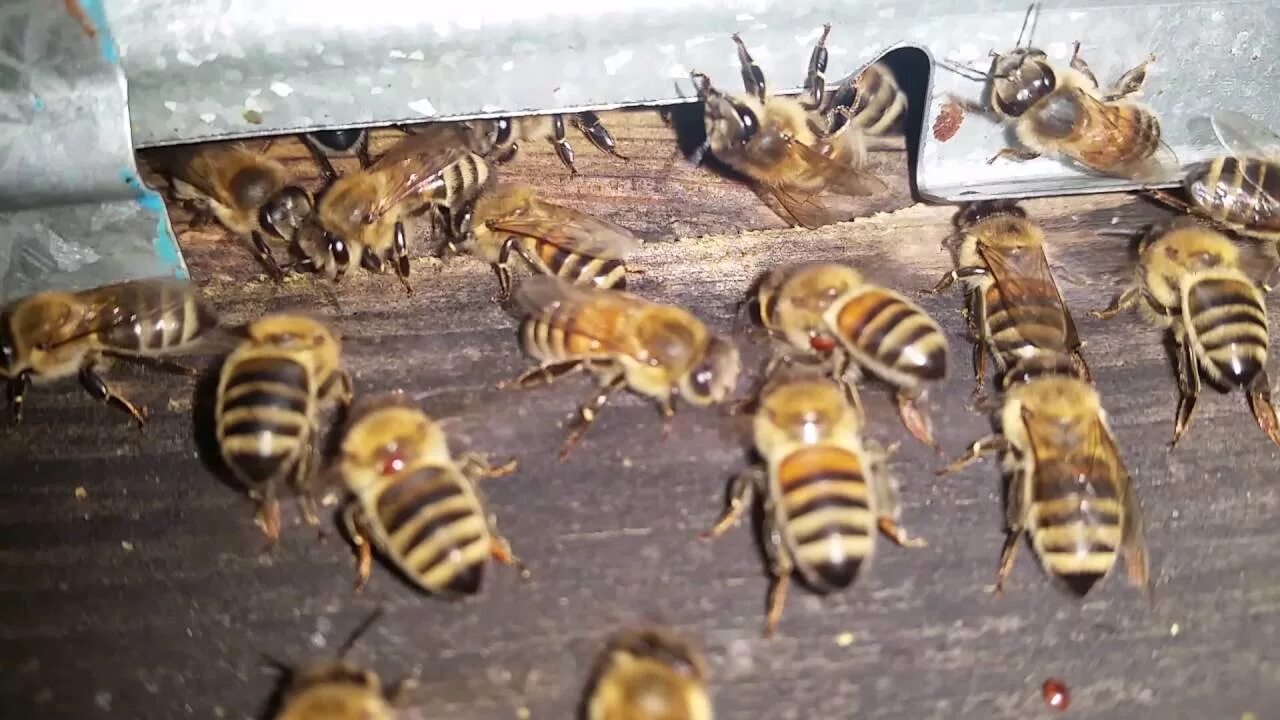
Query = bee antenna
x=1022 y=33
x=359 y=631
x=963 y=70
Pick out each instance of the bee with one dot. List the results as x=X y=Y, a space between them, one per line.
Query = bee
x=830 y=310
x=1068 y=488
x=1015 y=307
x=826 y=492
x=248 y=192
x=416 y=504
x=340 y=690
x=1190 y=279
x=1240 y=191
x=1062 y=112
x=360 y=214
x=649 y=674
x=780 y=143
x=501 y=137
x=658 y=351
x=324 y=143
x=510 y=219
x=871 y=101
x=56 y=334
x=270 y=392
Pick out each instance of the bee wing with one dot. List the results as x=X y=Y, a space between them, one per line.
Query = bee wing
x=605 y=316
x=1024 y=276
x=1160 y=167
x=414 y=163
x=574 y=231
x=839 y=177
x=133 y=301
x=1132 y=534
x=1242 y=136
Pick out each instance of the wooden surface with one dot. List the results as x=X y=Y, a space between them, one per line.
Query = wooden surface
x=131 y=583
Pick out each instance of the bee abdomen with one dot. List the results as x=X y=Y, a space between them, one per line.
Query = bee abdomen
x=1038 y=327
x=1230 y=326
x=263 y=418
x=1237 y=190
x=184 y=320
x=1076 y=522
x=580 y=269
x=880 y=104
x=895 y=333
x=464 y=178
x=435 y=530
x=826 y=501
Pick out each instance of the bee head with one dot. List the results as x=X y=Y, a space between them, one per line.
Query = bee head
x=1019 y=80
x=286 y=212
x=715 y=377
x=730 y=123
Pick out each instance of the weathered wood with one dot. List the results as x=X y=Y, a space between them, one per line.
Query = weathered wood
x=147 y=597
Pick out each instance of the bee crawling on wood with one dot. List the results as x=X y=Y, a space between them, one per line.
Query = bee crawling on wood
x=826 y=491
x=659 y=351
x=1190 y=279
x=57 y=334
x=416 y=504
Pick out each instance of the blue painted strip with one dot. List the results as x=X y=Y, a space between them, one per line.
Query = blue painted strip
x=97 y=14
x=166 y=246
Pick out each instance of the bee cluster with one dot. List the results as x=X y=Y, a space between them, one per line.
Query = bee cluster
x=417 y=505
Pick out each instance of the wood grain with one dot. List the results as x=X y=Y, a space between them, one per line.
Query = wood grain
x=147 y=598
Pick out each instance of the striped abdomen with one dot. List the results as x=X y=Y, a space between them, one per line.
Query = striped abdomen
x=460 y=181
x=163 y=318
x=1126 y=134
x=574 y=267
x=433 y=529
x=550 y=336
x=825 y=505
x=892 y=336
x=264 y=416
x=1227 y=325
x=1239 y=192
x=879 y=105
x=1075 y=517
x=1037 y=325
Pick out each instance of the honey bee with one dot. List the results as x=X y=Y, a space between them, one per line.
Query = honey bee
x=1062 y=112
x=554 y=240
x=658 y=351
x=360 y=213
x=1015 y=307
x=780 y=143
x=417 y=504
x=1190 y=278
x=825 y=487
x=871 y=100
x=649 y=674
x=248 y=192
x=501 y=137
x=1240 y=191
x=323 y=143
x=830 y=310
x=56 y=334
x=340 y=690
x=1069 y=489
x=270 y=393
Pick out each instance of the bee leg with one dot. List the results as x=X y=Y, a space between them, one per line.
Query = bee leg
x=268 y=518
x=321 y=157
x=1079 y=65
x=353 y=522
x=752 y=75
x=1085 y=374
x=17 y=394
x=477 y=467
x=916 y=421
x=887 y=510
x=564 y=150
x=99 y=388
x=1119 y=304
x=986 y=446
x=1189 y=389
x=595 y=131
x=815 y=82
x=1259 y=394
x=1013 y=155
x=844 y=368
x=265 y=256
x=587 y=413
x=983 y=344
x=400 y=255
x=1131 y=81
x=362 y=151
x=1008 y=555
x=780 y=566
x=740 y=489
x=500 y=550
x=540 y=375
x=958 y=274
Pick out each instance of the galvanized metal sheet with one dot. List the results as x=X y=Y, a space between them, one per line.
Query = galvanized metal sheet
x=1209 y=55
x=73 y=212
